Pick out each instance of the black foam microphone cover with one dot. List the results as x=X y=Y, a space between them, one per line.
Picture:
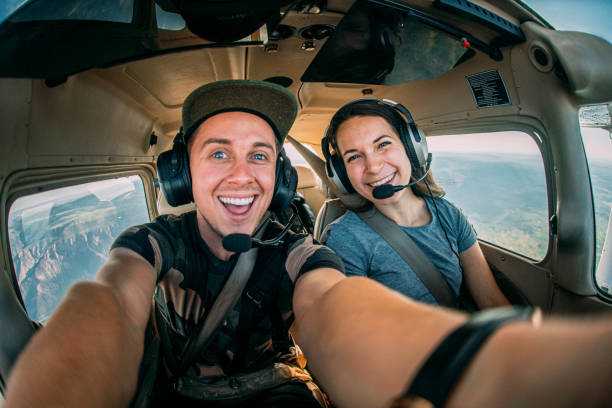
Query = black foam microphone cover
x=237 y=242
x=384 y=191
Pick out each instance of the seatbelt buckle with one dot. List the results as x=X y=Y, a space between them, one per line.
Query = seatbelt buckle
x=258 y=297
x=175 y=383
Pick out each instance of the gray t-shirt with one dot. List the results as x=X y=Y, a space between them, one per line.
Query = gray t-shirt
x=365 y=253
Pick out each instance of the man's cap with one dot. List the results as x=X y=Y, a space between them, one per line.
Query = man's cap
x=270 y=101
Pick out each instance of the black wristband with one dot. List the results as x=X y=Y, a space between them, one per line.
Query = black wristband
x=440 y=372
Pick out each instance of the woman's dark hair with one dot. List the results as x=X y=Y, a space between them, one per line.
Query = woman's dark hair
x=396 y=121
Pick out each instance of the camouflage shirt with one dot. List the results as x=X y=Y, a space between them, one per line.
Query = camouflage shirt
x=189 y=277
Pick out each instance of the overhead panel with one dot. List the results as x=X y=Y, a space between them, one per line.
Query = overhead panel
x=172 y=77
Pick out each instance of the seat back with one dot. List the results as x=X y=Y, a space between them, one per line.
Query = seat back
x=330 y=210
x=17 y=329
x=163 y=207
x=309 y=186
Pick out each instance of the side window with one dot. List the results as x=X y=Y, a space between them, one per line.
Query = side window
x=498 y=181
x=167 y=20
x=310 y=196
x=62 y=236
x=598 y=147
x=297 y=159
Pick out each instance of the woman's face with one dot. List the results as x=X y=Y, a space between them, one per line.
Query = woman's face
x=373 y=155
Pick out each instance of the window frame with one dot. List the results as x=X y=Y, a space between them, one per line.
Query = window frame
x=534 y=129
x=27 y=182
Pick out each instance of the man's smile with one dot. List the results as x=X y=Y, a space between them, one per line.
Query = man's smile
x=237 y=205
x=237 y=200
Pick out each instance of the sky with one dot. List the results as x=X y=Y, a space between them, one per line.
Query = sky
x=105 y=190
x=591 y=16
x=598 y=143
x=499 y=142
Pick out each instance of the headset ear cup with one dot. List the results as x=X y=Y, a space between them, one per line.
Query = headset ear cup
x=336 y=172
x=285 y=183
x=174 y=175
x=409 y=147
x=421 y=150
x=340 y=178
x=415 y=144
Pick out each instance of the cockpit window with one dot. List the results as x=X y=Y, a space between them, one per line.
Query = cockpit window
x=596 y=130
x=119 y=11
x=35 y=10
x=169 y=21
x=8 y=7
x=62 y=236
x=589 y=16
x=403 y=48
x=498 y=180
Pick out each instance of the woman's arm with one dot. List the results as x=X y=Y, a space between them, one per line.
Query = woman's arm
x=479 y=278
x=88 y=353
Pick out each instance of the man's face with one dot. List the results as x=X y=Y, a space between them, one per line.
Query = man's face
x=232 y=158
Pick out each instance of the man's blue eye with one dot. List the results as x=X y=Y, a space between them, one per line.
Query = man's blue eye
x=259 y=156
x=219 y=155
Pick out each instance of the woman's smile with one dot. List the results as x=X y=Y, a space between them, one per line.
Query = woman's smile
x=384 y=180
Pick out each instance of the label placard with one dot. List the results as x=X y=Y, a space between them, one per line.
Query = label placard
x=488 y=89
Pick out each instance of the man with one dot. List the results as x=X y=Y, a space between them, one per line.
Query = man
x=233 y=133
x=366 y=343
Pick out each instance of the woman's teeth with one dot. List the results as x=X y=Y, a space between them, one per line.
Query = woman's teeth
x=383 y=181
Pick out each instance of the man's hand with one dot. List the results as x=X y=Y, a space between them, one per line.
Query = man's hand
x=354 y=334
x=89 y=351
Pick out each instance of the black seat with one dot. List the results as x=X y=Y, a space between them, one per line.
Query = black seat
x=17 y=329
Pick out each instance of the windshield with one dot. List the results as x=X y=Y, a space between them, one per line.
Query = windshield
x=119 y=11
x=589 y=16
x=8 y=7
x=40 y=10
x=404 y=49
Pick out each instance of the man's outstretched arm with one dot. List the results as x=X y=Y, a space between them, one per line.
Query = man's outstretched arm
x=89 y=351
x=365 y=343
x=350 y=331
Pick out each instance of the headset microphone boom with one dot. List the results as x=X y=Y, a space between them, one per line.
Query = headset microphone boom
x=387 y=190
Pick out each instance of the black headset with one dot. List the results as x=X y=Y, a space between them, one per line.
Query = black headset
x=175 y=177
x=410 y=134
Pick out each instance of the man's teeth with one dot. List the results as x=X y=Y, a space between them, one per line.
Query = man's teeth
x=383 y=181
x=237 y=201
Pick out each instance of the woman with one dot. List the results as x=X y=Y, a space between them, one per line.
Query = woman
x=376 y=143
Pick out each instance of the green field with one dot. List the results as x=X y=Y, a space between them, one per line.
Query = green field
x=505 y=198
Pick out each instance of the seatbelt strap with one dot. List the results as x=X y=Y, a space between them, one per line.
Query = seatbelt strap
x=261 y=290
x=223 y=304
x=401 y=242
